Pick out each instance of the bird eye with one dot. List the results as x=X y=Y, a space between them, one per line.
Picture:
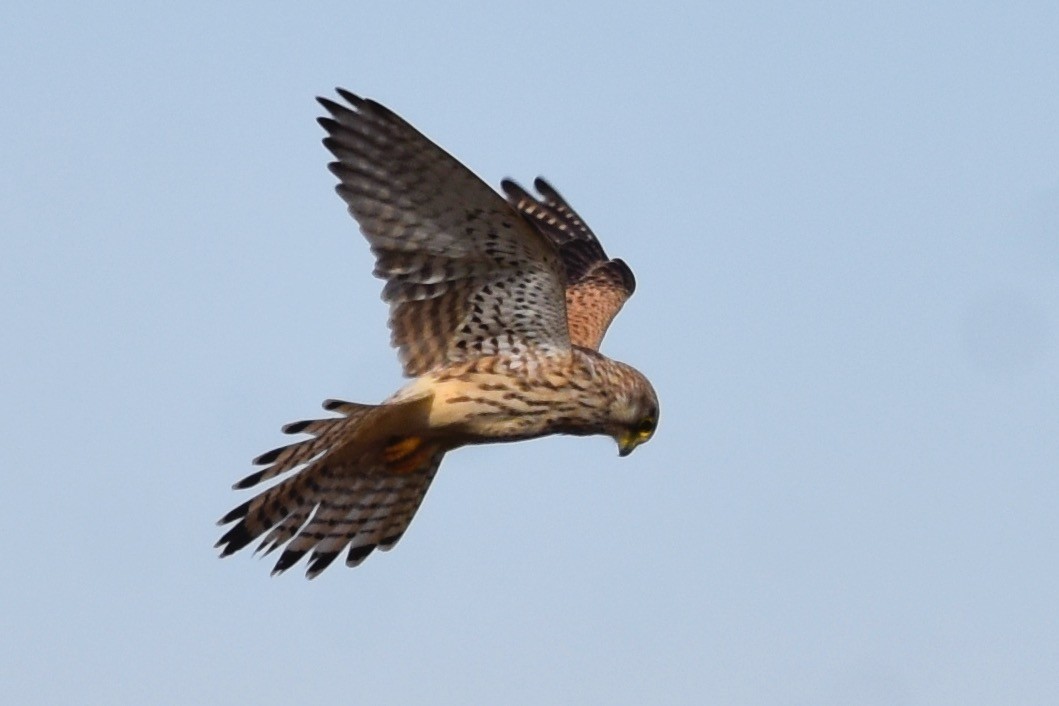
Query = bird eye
x=647 y=426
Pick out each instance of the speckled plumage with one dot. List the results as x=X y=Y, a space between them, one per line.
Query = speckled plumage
x=596 y=286
x=497 y=310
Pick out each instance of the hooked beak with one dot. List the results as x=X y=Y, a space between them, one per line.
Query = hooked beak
x=626 y=443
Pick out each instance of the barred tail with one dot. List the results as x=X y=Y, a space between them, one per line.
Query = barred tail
x=362 y=477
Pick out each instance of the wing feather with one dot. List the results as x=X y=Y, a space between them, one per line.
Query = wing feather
x=465 y=274
x=596 y=286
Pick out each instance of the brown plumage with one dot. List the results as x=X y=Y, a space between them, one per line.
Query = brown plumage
x=497 y=310
x=596 y=286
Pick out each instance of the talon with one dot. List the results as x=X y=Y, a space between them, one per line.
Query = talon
x=407 y=455
x=400 y=449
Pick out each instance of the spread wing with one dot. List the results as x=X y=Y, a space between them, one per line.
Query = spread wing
x=465 y=275
x=596 y=286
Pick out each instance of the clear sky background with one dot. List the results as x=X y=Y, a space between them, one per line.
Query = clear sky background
x=844 y=224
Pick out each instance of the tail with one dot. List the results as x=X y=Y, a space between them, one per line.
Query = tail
x=362 y=477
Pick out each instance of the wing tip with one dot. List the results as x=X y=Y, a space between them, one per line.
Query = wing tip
x=545 y=189
x=349 y=96
x=628 y=279
x=512 y=189
x=267 y=457
x=250 y=481
x=296 y=427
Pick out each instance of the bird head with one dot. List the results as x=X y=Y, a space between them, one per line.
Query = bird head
x=634 y=416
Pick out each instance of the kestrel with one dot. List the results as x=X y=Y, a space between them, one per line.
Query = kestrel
x=497 y=309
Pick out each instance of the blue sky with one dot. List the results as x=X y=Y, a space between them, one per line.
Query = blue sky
x=844 y=224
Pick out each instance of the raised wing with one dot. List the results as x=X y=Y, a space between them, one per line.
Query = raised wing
x=465 y=275
x=596 y=286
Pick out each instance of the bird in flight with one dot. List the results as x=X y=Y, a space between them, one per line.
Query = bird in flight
x=497 y=310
